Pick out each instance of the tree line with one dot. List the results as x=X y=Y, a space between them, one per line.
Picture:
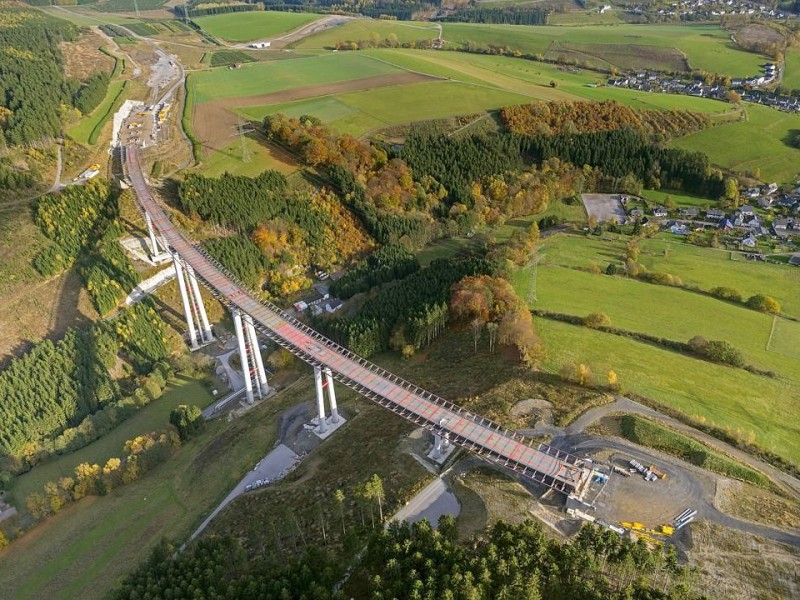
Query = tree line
x=141 y=454
x=517 y=562
x=549 y=118
x=505 y=15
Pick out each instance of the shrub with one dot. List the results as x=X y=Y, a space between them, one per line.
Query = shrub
x=765 y=304
x=596 y=320
x=716 y=351
x=726 y=293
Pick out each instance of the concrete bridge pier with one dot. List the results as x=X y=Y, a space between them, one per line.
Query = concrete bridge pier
x=258 y=372
x=248 y=383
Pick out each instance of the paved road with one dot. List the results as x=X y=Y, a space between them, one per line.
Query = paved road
x=625 y=405
x=273 y=466
x=434 y=501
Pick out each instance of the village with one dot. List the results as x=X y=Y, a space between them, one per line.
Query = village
x=768 y=225
x=745 y=88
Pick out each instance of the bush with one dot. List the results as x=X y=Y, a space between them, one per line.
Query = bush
x=596 y=320
x=716 y=351
x=187 y=419
x=765 y=304
x=726 y=293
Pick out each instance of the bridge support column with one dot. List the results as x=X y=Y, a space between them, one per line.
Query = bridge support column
x=186 y=301
x=331 y=396
x=259 y=374
x=153 y=245
x=156 y=255
x=437 y=446
x=323 y=426
x=248 y=384
x=201 y=308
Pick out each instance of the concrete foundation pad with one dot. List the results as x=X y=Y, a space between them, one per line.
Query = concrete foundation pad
x=440 y=457
x=332 y=427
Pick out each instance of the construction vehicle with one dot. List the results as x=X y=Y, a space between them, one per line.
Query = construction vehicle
x=621 y=471
x=658 y=473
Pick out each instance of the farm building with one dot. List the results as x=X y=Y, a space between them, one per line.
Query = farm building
x=259 y=45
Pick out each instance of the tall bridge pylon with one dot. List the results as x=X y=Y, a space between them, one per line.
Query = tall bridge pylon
x=538 y=463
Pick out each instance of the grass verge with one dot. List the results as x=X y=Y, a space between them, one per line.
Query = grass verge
x=652 y=435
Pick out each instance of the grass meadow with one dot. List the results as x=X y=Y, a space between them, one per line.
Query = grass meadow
x=363 y=111
x=181 y=390
x=705 y=268
x=261 y=157
x=706 y=47
x=731 y=398
x=752 y=406
x=791 y=69
x=253 y=25
x=757 y=143
x=269 y=77
x=88 y=129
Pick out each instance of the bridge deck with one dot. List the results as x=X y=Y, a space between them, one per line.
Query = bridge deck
x=542 y=463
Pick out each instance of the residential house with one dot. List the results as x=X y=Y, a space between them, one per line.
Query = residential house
x=766 y=201
x=715 y=214
x=690 y=212
x=747 y=210
x=726 y=224
x=749 y=242
x=771 y=188
x=637 y=213
x=794 y=260
x=334 y=305
x=660 y=211
x=780 y=226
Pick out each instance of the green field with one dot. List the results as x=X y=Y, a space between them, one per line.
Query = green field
x=90 y=126
x=706 y=47
x=791 y=69
x=673 y=313
x=533 y=79
x=85 y=550
x=679 y=198
x=269 y=77
x=751 y=406
x=705 y=268
x=758 y=143
x=155 y=415
x=785 y=338
x=730 y=398
x=253 y=25
x=360 y=112
x=229 y=160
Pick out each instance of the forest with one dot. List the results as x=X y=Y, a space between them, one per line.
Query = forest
x=32 y=81
x=283 y=232
x=82 y=223
x=33 y=85
x=385 y=264
x=507 y=15
x=515 y=562
x=411 y=311
x=57 y=384
x=549 y=118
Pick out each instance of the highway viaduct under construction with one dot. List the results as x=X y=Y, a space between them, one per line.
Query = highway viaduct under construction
x=538 y=463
